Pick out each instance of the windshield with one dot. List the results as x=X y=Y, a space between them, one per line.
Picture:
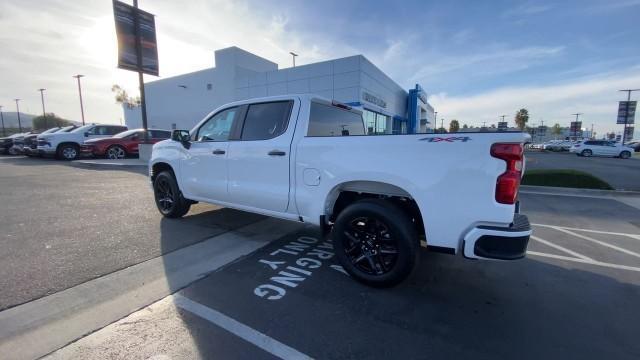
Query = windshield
x=52 y=130
x=67 y=129
x=126 y=133
x=82 y=129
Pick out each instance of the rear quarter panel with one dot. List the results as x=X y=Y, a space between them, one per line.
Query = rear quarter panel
x=452 y=180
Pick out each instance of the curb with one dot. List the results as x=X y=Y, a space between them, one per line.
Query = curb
x=577 y=191
x=101 y=164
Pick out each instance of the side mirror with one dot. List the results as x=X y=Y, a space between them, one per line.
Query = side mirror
x=182 y=136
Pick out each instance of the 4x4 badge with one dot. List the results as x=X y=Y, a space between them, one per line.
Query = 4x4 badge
x=446 y=139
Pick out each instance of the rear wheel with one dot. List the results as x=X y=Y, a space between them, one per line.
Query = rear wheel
x=168 y=196
x=376 y=242
x=116 y=152
x=625 y=155
x=68 y=152
x=586 y=153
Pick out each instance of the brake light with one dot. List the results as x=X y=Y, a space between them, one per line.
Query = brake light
x=508 y=182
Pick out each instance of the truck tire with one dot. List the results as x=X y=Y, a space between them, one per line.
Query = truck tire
x=376 y=242
x=68 y=152
x=168 y=196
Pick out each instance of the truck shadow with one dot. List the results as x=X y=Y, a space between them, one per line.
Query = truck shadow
x=449 y=308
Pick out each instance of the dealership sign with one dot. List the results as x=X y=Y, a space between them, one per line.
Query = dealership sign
x=628 y=133
x=368 y=97
x=502 y=125
x=626 y=112
x=129 y=38
x=576 y=126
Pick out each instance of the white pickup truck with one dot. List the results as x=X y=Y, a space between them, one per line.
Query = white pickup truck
x=307 y=159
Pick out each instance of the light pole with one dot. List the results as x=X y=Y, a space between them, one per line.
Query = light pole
x=435 y=122
x=626 y=115
x=80 y=93
x=18 y=109
x=44 y=113
x=4 y=132
x=293 y=55
x=575 y=131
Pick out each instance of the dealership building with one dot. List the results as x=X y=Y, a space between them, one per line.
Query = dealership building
x=179 y=102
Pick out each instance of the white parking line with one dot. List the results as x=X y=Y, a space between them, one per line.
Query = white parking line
x=629 y=252
x=570 y=252
x=239 y=329
x=633 y=236
x=583 y=261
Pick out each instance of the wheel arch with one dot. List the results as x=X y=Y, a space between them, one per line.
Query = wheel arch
x=346 y=193
x=158 y=167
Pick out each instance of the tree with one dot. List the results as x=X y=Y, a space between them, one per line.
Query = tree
x=556 y=130
x=441 y=130
x=122 y=97
x=52 y=120
x=465 y=126
x=521 y=118
x=454 y=126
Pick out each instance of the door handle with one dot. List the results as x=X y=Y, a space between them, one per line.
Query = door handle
x=218 y=152
x=277 y=153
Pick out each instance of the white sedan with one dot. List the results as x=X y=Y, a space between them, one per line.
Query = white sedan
x=601 y=148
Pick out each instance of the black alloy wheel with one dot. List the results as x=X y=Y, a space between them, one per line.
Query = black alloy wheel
x=370 y=246
x=376 y=242
x=169 y=199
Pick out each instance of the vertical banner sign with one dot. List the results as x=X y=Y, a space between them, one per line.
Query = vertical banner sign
x=626 y=111
x=127 y=43
x=628 y=134
x=502 y=125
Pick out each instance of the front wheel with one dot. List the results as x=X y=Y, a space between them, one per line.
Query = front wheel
x=169 y=199
x=68 y=152
x=625 y=155
x=586 y=153
x=376 y=242
x=116 y=152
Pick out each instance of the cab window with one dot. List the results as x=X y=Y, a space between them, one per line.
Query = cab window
x=217 y=127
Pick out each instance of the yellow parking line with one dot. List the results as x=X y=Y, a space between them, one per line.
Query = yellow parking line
x=583 y=261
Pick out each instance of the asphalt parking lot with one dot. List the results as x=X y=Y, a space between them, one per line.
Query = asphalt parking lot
x=621 y=174
x=574 y=296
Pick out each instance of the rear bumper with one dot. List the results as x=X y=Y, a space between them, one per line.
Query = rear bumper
x=489 y=242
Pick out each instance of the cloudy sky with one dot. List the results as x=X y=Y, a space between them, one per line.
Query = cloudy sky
x=476 y=59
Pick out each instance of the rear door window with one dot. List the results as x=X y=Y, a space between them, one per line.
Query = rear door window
x=266 y=120
x=327 y=120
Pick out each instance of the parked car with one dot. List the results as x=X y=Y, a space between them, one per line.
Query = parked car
x=30 y=143
x=553 y=145
x=6 y=144
x=66 y=145
x=602 y=148
x=307 y=159
x=123 y=144
x=635 y=145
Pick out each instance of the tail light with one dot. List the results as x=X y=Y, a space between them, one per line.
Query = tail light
x=508 y=182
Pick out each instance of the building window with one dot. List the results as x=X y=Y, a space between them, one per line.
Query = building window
x=375 y=122
x=209 y=86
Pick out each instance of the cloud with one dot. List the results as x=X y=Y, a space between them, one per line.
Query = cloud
x=595 y=96
x=526 y=9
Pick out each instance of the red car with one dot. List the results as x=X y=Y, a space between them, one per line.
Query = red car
x=121 y=145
